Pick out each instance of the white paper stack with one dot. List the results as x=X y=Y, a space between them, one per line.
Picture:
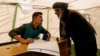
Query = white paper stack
x=49 y=47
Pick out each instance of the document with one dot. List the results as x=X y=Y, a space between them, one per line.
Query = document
x=49 y=47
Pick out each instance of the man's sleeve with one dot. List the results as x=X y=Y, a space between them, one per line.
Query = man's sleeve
x=17 y=31
x=44 y=30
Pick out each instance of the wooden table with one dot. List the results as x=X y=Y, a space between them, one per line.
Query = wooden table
x=18 y=48
x=12 y=49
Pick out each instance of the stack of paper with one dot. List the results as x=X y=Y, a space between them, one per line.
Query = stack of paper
x=49 y=47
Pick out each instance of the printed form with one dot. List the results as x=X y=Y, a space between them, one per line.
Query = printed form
x=49 y=47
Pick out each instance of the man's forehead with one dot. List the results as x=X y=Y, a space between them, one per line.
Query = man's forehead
x=38 y=15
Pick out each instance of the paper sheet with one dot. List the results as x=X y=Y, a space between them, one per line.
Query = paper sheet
x=49 y=47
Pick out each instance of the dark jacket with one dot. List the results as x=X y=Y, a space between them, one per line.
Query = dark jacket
x=81 y=32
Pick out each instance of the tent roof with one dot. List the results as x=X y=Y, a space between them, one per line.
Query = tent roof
x=73 y=4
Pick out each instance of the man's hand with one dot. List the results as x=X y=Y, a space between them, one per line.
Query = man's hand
x=26 y=41
x=22 y=40
x=62 y=39
x=29 y=40
x=48 y=38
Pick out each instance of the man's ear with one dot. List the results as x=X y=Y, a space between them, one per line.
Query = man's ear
x=34 y=17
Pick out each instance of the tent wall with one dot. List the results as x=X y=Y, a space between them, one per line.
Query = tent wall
x=95 y=21
x=6 y=17
x=25 y=16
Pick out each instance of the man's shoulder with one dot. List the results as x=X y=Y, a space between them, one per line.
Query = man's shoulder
x=73 y=11
x=26 y=23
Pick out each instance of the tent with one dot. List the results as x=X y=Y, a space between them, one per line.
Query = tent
x=14 y=13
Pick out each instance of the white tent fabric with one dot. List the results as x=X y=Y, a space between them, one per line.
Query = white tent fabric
x=25 y=16
x=6 y=18
x=51 y=22
x=74 y=4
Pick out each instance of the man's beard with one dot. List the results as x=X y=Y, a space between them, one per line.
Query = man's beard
x=60 y=16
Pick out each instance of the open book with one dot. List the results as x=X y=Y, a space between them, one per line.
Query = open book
x=49 y=47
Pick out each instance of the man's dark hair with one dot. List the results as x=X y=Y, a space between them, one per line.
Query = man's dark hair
x=36 y=14
x=61 y=5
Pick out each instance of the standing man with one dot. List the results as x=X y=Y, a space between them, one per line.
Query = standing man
x=30 y=31
x=78 y=29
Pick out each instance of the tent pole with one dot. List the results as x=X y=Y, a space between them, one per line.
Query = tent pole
x=14 y=18
x=47 y=18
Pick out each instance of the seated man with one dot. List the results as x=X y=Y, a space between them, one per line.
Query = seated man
x=29 y=31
